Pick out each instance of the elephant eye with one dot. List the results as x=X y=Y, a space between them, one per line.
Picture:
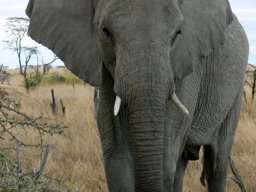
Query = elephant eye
x=175 y=36
x=107 y=34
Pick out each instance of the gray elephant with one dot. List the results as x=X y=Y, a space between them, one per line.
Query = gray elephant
x=170 y=79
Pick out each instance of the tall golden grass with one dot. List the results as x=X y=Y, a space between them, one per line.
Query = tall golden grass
x=77 y=161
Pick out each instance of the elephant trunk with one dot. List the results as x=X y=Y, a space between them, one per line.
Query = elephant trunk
x=146 y=110
x=144 y=83
x=146 y=123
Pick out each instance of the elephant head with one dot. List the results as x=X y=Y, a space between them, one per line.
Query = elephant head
x=144 y=46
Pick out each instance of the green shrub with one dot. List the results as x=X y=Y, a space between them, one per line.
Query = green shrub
x=70 y=78
x=54 y=78
x=58 y=78
x=36 y=78
x=33 y=80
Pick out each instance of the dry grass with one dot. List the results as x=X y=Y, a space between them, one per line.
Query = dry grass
x=77 y=161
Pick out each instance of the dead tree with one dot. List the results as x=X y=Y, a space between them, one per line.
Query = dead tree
x=53 y=104
x=63 y=108
x=48 y=66
x=251 y=81
x=254 y=85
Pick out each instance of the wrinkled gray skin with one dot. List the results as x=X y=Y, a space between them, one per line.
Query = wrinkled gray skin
x=144 y=51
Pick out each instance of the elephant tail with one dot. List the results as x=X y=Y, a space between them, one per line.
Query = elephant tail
x=237 y=177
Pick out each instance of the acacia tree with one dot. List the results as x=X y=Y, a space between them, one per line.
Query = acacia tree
x=16 y=29
x=28 y=53
x=48 y=65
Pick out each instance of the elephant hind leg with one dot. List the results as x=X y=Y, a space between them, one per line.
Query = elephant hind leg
x=216 y=155
x=215 y=169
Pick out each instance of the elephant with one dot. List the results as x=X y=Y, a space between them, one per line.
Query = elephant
x=169 y=76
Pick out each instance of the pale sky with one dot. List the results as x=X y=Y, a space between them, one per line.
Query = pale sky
x=244 y=9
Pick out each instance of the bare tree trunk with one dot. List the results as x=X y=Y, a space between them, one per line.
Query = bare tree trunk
x=21 y=68
x=253 y=85
x=53 y=104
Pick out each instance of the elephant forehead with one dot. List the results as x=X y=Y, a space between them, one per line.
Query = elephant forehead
x=131 y=10
x=141 y=18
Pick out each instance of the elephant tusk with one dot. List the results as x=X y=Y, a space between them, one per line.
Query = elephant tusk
x=117 y=105
x=178 y=103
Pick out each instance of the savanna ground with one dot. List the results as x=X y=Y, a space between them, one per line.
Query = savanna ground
x=77 y=160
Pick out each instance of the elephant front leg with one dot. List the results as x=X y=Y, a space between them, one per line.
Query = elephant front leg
x=180 y=172
x=174 y=163
x=115 y=145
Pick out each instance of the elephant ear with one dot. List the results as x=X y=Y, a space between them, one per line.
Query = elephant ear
x=66 y=27
x=203 y=30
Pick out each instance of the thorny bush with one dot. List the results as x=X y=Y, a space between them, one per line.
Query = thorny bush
x=15 y=128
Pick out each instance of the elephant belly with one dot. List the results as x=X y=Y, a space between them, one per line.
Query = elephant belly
x=221 y=83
